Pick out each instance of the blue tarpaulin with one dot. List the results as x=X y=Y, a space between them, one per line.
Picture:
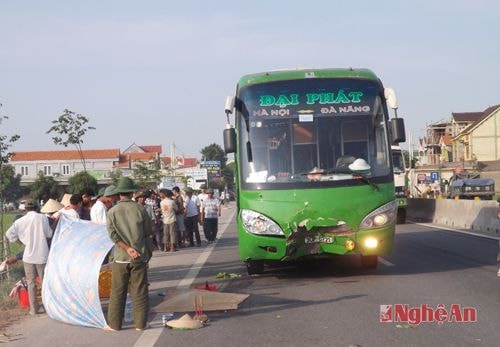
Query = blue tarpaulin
x=70 y=290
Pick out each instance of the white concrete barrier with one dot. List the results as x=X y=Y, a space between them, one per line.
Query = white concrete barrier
x=478 y=216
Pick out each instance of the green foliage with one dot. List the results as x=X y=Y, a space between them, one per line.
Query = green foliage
x=228 y=173
x=6 y=223
x=214 y=152
x=406 y=157
x=9 y=181
x=147 y=175
x=217 y=183
x=44 y=188
x=6 y=302
x=70 y=128
x=82 y=182
x=10 y=184
x=115 y=176
x=5 y=143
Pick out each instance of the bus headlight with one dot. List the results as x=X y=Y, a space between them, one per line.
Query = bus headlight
x=371 y=242
x=382 y=216
x=256 y=223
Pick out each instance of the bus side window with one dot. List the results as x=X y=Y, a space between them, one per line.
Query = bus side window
x=279 y=147
x=355 y=139
x=305 y=149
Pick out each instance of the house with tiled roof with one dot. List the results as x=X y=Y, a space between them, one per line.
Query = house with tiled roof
x=180 y=162
x=480 y=140
x=64 y=164
x=474 y=136
x=134 y=148
x=461 y=120
x=135 y=154
x=99 y=162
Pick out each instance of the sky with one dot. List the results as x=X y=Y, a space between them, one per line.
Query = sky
x=157 y=72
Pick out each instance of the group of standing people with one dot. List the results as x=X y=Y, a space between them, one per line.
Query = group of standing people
x=135 y=221
x=181 y=216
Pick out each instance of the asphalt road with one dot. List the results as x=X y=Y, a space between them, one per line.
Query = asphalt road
x=326 y=303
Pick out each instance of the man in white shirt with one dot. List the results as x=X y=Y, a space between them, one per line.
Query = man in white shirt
x=75 y=202
x=168 y=209
x=32 y=230
x=98 y=211
x=201 y=197
x=191 y=211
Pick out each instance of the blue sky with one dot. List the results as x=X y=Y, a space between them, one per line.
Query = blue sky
x=153 y=72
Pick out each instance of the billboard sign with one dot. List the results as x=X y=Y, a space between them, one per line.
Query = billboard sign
x=213 y=168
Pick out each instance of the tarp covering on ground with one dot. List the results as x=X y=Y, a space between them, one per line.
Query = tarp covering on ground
x=70 y=290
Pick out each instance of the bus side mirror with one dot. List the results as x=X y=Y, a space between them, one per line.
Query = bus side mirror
x=228 y=108
x=229 y=140
x=398 y=130
x=390 y=97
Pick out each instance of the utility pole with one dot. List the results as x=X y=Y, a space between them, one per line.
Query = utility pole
x=173 y=162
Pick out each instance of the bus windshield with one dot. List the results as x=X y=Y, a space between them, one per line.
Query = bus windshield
x=312 y=132
x=398 y=161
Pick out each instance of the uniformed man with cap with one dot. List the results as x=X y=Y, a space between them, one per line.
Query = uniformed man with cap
x=129 y=227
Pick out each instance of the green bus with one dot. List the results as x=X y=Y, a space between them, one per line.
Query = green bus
x=314 y=169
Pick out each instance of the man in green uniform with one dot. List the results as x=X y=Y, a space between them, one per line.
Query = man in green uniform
x=129 y=227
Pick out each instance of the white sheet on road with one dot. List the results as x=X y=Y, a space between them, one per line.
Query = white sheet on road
x=70 y=290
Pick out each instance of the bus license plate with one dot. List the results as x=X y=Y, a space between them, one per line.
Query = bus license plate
x=319 y=238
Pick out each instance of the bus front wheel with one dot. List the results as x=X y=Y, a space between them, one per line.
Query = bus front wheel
x=401 y=216
x=369 y=261
x=255 y=267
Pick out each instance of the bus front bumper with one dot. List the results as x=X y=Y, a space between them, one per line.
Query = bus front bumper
x=364 y=242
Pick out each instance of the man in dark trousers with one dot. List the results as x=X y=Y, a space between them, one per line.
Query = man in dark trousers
x=32 y=231
x=129 y=226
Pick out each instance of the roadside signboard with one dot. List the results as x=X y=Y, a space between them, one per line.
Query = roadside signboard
x=213 y=168
x=196 y=177
x=435 y=176
x=421 y=178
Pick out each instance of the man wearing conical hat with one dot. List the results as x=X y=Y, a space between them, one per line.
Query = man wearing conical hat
x=50 y=208
x=129 y=227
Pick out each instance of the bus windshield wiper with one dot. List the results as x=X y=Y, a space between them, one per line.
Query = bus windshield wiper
x=355 y=175
x=365 y=179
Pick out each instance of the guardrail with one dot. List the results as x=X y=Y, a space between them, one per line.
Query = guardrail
x=478 y=216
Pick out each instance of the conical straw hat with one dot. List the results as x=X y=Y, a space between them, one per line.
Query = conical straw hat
x=65 y=200
x=185 y=322
x=51 y=206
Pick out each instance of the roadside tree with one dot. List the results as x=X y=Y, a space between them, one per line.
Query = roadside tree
x=69 y=129
x=115 y=176
x=228 y=175
x=214 y=152
x=147 y=174
x=6 y=182
x=82 y=182
x=44 y=188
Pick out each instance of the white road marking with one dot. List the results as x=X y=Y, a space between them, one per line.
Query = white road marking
x=150 y=336
x=385 y=261
x=430 y=225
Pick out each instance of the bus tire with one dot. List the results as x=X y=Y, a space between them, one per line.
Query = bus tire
x=401 y=217
x=255 y=267
x=369 y=261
